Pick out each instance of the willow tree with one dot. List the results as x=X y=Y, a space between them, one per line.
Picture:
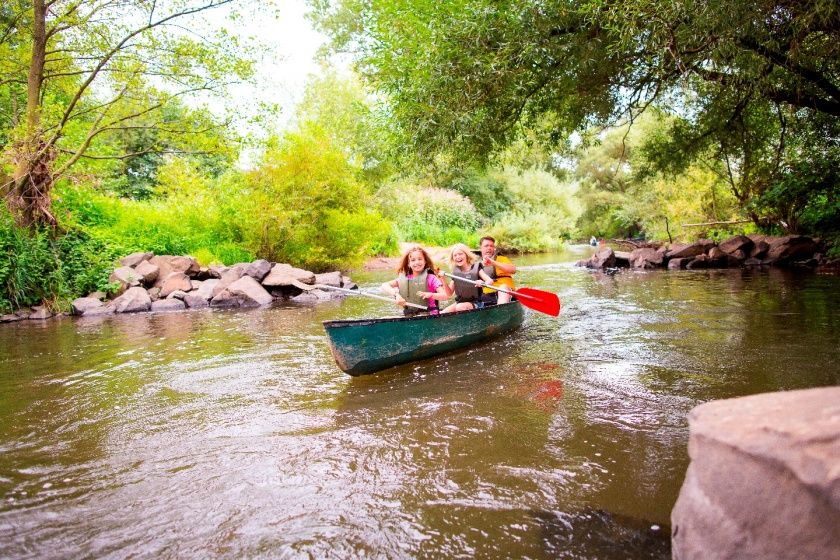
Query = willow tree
x=75 y=71
x=757 y=83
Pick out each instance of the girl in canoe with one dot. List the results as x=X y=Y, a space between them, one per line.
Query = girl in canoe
x=465 y=265
x=417 y=283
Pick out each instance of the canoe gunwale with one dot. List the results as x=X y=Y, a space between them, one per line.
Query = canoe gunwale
x=339 y=323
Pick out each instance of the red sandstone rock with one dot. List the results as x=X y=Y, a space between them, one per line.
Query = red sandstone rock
x=764 y=479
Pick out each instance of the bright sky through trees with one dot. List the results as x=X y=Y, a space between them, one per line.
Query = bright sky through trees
x=289 y=44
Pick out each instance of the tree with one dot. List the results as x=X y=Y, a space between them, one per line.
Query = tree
x=343 y=109
x=624 y=195
x=751 y=80
x=76 y=71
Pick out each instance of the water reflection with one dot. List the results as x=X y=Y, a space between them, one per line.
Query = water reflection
x=234 y=434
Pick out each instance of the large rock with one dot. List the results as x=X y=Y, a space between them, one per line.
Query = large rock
x=791 y=248
x=126 y=277
x=737 y=243
x=258 y=269
x=89 y=306
x=682 y=251
x=764 y=479
x=175 y=281
x=134 y=300
x=333 y=279
x=245 y=292
x=168 y=264
x=603 y=258
x=645 y=258
x=283 y=275
x=134 y=259
x=148 y=272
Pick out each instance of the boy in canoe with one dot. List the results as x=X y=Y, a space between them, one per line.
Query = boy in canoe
x=416 y=283
x=499 y=268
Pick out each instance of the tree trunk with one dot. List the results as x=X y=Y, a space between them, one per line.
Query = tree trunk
x=32 y=181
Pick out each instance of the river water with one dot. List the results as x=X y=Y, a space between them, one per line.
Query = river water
x=231 y=434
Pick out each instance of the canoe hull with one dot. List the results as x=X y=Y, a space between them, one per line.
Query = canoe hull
x=367 y=346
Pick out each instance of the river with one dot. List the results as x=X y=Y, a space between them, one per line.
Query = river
x=231 y=434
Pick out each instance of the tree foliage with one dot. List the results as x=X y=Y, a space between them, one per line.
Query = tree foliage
x=77 y=72
x=623 y=195
x=756 y=85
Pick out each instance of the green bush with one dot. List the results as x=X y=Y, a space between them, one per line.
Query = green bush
x=489 y=194
x=40 y=266
x=527 y=234
x=429 y=215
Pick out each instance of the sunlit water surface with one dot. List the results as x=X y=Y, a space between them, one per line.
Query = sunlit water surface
x=233 y=434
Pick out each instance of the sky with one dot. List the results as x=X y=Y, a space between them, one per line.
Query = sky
x=288 y=57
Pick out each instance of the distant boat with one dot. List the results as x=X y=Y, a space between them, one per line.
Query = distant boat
x=366 y=346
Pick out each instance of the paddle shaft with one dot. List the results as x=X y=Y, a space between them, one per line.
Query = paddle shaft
x=503 y=290
x=360 y=293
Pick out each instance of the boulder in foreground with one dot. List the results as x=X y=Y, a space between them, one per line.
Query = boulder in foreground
x=764 y=479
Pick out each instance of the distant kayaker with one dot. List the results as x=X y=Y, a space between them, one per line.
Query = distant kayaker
x=499 y=268
x=593 y=241
x=416 y=283
x=465 y=264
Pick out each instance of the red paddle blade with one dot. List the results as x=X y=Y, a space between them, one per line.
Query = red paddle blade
x=539 y=300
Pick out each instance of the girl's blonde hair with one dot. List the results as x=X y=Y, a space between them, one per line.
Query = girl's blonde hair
x=403 y=267
x=471 y=258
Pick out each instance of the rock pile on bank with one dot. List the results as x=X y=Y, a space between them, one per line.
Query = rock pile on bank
x=736 y=252
x=148 y=282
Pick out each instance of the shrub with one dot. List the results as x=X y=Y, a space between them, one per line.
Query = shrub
x=429 y=215
x=38 y=266
x=527 y=234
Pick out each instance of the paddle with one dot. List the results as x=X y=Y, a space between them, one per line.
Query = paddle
x=538 y=300
x=308 y=287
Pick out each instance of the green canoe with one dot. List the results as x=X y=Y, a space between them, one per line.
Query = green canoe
x=369 y=345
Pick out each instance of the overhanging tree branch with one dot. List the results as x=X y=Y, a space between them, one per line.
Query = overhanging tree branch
x=113 y=51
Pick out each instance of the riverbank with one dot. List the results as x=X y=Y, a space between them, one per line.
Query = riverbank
x=145 y=282
x=739 y=251
x=158 y=283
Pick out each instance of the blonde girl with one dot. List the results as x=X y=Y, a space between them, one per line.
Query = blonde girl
x=465 y=264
